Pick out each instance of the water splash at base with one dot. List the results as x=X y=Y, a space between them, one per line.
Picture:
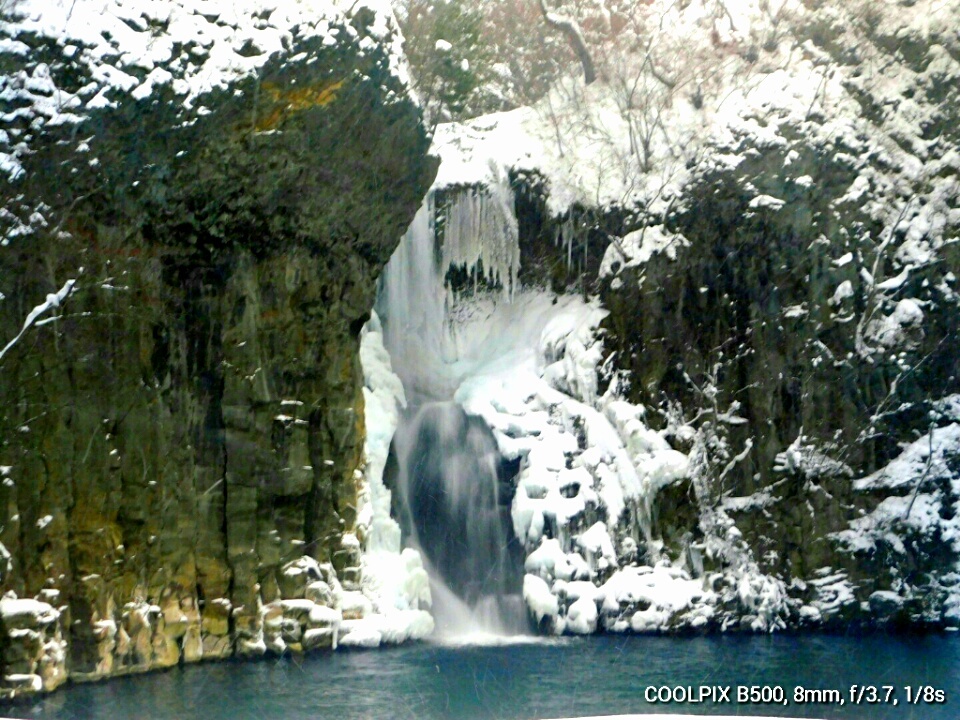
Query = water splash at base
x=454 y=504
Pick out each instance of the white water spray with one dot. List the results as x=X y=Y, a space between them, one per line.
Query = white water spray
x=449 y=486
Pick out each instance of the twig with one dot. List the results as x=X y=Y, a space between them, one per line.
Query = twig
x=926 y=471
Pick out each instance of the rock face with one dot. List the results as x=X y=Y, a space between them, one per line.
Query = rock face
x=780 y=340
x=815 y=343
x=34 y=655
x=183 y=435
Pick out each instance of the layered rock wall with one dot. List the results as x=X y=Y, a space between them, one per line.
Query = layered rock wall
x=183 y=431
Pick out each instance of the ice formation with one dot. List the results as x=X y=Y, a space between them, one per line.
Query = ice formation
x=526 y=363
x=392 y=604
x=448 y=462
x=480 y=234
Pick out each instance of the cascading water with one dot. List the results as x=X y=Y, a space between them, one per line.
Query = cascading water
x=449 y=481
x=452 y=484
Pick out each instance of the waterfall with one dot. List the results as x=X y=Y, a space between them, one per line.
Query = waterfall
x=449 y=479
x=452 y=485
x=412 y=305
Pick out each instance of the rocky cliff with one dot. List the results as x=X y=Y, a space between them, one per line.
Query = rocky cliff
x=792 y=323
x=713 y=324
x=192 y=238
x=772 y=255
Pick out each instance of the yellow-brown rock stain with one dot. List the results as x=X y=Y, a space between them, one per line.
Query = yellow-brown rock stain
x=289 y=101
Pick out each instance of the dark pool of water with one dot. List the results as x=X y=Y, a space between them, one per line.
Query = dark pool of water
x=591 y=676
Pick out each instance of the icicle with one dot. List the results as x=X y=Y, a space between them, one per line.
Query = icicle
x=481 y=236
x=481 y=229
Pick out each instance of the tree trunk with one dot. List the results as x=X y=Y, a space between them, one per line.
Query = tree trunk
x=570 y=28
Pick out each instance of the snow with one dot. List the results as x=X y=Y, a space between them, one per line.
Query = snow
x=322 y=615
x=390 y=628
x=541 y=427
x=105 y=30
x=805 y=458
x=395 y=586
x=913 y=462
x=649 y=598
x=792 y=90
x=638 y=247
x=537 y=595
x=526 y=362
x=550 y=561
x=766 y=201
x=577 y=138
x=355 y=603
x=360 y=635
x=295 y=605
x=596 y=544
x=33 y=682
x=117 y=29
x=385 y=608
x=844 y=291
x=582 y=617
x=383 y=400
x=833 y=592
x=947 y=407
x=16 y=610
x=891 y=331
x=52 y=302
x=133 y=47
x=918 y=512
x=386 y=30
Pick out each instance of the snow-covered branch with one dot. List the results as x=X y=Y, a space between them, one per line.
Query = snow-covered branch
x=865 y=351
x=54 y=300
x=571 y=30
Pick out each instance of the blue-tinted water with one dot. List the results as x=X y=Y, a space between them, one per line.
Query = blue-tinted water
x=591 y=676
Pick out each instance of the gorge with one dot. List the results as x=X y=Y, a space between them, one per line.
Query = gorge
x=287 y=372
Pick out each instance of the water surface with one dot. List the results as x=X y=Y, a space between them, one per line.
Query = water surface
x=544 y=679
